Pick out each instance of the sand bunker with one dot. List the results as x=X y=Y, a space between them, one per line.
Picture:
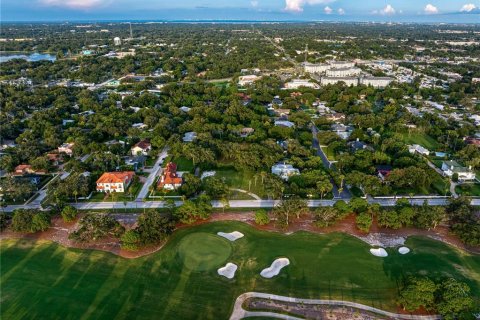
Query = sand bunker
x=403 y=250
x=232 y=236
x=275 y=268
x=379 y=252
x=228 y=271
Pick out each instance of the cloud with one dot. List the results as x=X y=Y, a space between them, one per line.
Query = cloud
x=297 y=5
x=469 y=7
x=430 y=9
x=341 y=11
x=254 y=3
x=387 y=11
x=328 y=10
x=76 y=4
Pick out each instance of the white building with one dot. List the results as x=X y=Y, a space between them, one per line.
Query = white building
x=449 y=168
x=315 y=67
x=117 y=41
x=66 y=148
x=342 y=64
x=349 y=81
x=189 y=136
x=284 y=123
x=343 y=72
x=284 y=171
x=298 y=83
x=377 y=82
x=416 y=148
x=247 y=80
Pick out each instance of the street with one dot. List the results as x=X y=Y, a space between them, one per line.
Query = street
x=157 y=167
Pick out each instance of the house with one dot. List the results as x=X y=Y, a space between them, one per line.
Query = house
x=383 y=171
x=189 y=136
x=137 y=162
x=185 y=109
x=473 y=140
x=342 y=130
x=284 y=170
x=416 y=148
x=170 y=180
x=284 y=123
x=245 y=132
x=451 y=167
x=247 y=80
x=23 y=169
x=66 y=148
x=299 y=83
x=115 y=181
x=139 y=125
x=335 y=117
x=277 y=101
x=358 y=145
x=141 y=148
x=55 y=158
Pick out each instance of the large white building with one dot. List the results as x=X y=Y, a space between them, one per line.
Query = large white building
x=298 y=83
x=349 y=81
x=247 y=80
x=315 y=67
x=377 y=82
x=449 y=168
x=284 y=170
x=343 y=72
x=341 y=64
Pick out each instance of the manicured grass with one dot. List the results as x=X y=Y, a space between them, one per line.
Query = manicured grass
x=422 y=139
x=471 y=189
x=329 y=153
x=244 y=180
x=118 y=196
x=45 y=280
x=184 y=164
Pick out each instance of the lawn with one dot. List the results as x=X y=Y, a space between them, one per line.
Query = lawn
x=183 y=164
x=244 y=180
x=422 y=139
x=45 y=280
x=470 y=189
x=117 y=196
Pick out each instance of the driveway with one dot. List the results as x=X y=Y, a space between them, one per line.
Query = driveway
x=157 y=169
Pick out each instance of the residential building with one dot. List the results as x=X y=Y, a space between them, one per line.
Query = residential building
x=66 y=148
x=170 y=180
x=383 y=171
x=376 y=82
x=115 y=181
x=284 y=171
x=451 y=167
x=189 y=136
x=343 y=72
x=416 y=148
x=298 y=83
x=358 y=145
x=142 y=147
x=315 y=67
x=349 y=81
x=284 y=123
x=342 y=130
x=247 y=80
x=245 y=132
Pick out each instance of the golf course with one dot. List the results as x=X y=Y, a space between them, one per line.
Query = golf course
x=45 y=280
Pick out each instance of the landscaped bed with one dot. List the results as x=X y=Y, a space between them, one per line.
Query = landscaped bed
x=179 y=282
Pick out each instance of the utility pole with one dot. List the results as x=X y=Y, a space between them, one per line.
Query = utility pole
x=131 y=34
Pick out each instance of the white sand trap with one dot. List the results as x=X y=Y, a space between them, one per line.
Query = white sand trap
x=275 y=268
x=228 y=271
x=403 y=250
x=232 y=236
x=379 y=252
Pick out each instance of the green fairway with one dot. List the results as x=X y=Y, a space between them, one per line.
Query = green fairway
x=45 y=280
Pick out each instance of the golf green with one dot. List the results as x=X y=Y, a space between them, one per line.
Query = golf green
x=203 y=251
x=42 y=280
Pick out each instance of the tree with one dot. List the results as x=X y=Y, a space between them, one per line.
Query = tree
x=30 y=220
x=261 y=217
x=364 y=221
x=69 y=213
x=358 y=205
x=215 y=188
x=324 y=186
x=287 y=208
x=130 y=240
x=455 y=300
x=389 y=219
x=95 y=226
x=326 y=216
x=417 y=293
x=154 y=227
x=3 y=221
x=428 y=217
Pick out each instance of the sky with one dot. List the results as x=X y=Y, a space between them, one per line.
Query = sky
x=451 y=11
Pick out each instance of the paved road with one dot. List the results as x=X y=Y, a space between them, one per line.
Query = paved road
x=240 y=313
x=157 y=167
x=345 y=194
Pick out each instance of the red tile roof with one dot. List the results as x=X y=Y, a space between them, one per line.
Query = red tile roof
x=116 y=177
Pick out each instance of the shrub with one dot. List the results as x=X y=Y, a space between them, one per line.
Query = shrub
x=261 y=217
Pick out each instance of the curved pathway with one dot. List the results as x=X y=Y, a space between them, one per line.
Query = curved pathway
x=240 y=313
x=253 y=195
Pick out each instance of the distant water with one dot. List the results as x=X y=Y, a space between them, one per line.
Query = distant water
x=4 y=56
